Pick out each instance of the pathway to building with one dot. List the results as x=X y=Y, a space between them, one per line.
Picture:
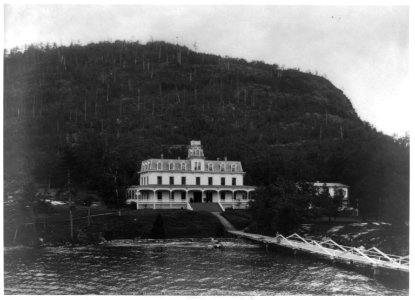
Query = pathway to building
x=228 y=226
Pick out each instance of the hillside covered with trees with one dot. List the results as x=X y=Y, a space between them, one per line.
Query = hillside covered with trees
x=98 y=110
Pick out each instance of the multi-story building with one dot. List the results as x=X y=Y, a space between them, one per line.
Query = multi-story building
x=177 y=183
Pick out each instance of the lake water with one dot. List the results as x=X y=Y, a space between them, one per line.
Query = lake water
x=178 y=267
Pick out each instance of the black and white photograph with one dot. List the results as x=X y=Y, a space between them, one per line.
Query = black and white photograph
x=221 y=148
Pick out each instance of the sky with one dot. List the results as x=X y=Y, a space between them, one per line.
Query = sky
x=363 y=50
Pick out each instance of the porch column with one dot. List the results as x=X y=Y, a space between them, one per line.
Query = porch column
x=233 y=199
x=137 y=192
x=154 y=199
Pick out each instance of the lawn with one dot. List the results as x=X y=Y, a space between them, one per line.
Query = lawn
x=54 y=228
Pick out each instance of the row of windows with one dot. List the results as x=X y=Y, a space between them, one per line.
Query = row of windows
x=160 y=195
x=183 y=195
x=144 y=196
x=196 y=152
x=197 y=166
x=183 y=180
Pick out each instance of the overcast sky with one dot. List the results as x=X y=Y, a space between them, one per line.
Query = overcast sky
x=362 y=50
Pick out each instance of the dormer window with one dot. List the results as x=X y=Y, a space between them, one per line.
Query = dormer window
x=183 y=166
x=210 y=167
x=233 y=168
x=222 y=167
x=159 y=165
x=171 y=166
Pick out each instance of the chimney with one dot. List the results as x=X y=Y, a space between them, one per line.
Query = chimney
x=178 y=158
x=226 y=158
x=217 y=159
x=162 y=156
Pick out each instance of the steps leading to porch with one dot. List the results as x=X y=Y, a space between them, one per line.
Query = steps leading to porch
x=212 y=207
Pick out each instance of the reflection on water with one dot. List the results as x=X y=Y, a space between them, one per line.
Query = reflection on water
x=177 y=267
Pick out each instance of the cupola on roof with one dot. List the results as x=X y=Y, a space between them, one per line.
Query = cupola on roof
x=195 y=150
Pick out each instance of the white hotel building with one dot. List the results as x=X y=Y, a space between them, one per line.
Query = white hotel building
x=181 y=183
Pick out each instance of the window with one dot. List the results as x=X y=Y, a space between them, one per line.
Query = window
x=183 y=166
x=171 y=180
x=233 y=168
x=159 y=181
x=159 y=195
x=233 y=181
x=210 y=167
x=171 y=166
x=183 y=180
x=183 y=195
x=222 y=181
x=222 y=167
x=222 y=195
x=198 y=165
x=197 y=180
x=210 y=181
x=159 y=165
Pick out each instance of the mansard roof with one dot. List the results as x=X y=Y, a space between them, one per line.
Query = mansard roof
x=177 y=165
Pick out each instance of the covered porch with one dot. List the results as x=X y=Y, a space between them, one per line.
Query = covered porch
x=157 y=197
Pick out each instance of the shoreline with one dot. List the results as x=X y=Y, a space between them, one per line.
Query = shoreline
x=106 y=225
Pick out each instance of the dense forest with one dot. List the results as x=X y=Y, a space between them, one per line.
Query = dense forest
x=95 y=111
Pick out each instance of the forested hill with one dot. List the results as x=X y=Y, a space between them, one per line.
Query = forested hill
x=100 y=109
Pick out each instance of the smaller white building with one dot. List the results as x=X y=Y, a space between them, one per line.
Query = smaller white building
x=334 y=189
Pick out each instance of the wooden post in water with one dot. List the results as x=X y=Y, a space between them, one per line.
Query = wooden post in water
x=15 y=234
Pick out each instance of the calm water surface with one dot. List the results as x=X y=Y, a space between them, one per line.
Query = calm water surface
x=177 y=267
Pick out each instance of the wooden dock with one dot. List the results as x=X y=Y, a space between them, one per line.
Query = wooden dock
x=371 y=258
